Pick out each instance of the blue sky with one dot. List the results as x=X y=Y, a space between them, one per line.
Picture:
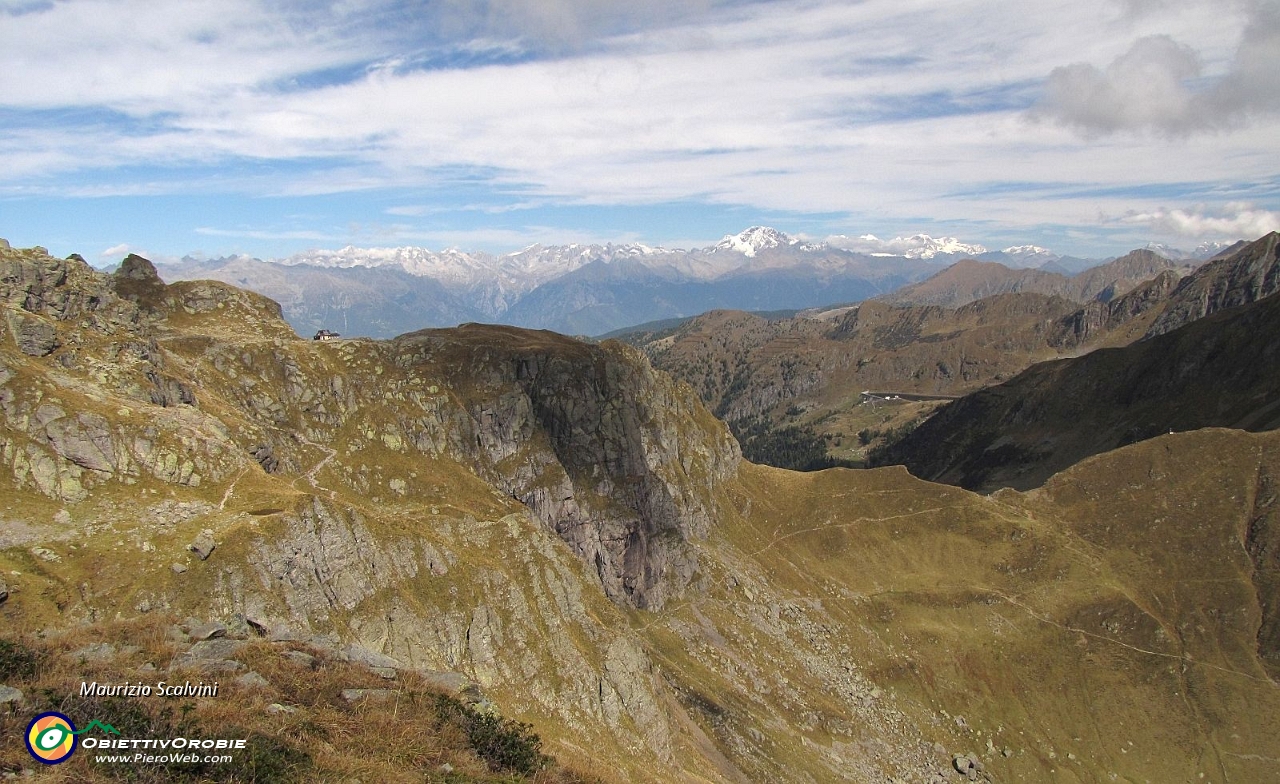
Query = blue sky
x=236 y=126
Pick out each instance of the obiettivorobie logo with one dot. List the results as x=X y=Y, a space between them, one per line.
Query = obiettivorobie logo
x=52 y=736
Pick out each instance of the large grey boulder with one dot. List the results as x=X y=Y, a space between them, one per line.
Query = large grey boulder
x=203 y=545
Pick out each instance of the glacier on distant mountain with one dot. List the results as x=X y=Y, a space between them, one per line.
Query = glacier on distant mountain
x=754 y=240
x=918 y=246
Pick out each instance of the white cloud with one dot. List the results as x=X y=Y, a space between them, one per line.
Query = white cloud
x=794 y=105
x=117 y=253
x=1159 y=85
x=1230 y=220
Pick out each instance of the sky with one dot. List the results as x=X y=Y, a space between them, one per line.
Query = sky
x=168 y=128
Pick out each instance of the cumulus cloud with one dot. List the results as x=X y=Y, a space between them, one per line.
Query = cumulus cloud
x=1159 y=85
x=116 y=253
x=1228 y=220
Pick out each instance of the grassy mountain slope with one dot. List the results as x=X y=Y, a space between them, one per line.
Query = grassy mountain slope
x=808 y=374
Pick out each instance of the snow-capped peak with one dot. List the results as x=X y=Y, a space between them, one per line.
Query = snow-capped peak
x=919 y=246
x=1028 y=250
x=754 y=240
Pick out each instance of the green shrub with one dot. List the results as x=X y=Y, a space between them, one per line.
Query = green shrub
x=504 y=744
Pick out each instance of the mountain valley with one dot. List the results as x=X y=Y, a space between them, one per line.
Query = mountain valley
x=827 y=386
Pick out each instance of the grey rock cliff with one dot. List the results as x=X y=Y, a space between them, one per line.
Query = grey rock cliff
x=1248 y=275
x=620 y=461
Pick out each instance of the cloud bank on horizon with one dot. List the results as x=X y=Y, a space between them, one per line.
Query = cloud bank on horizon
x=266 y=127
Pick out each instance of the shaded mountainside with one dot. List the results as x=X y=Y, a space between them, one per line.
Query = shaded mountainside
x=562 y=529
x=1222 y=370
x=1246 y=275
x=792 y=387
x=800 y=380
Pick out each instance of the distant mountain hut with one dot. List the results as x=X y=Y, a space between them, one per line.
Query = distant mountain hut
x=326 y=334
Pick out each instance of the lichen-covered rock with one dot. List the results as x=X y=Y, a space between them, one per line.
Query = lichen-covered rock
x=203 y=545
x=33 y=335
x=328 y=560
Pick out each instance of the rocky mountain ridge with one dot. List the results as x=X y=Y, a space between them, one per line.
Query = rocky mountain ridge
x=575 y=289
x=1206 y=359
x=588 y=289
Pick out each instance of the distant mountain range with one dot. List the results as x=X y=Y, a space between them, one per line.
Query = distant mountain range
x=591 y=289
x=791 y=385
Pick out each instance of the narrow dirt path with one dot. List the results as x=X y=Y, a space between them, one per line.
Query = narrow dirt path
x=230 y=489
x=314 y=471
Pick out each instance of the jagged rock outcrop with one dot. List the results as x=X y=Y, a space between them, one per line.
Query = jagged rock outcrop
x=1262 y=542
x=1248 y=275
x=621 y=463
x=1098 y=317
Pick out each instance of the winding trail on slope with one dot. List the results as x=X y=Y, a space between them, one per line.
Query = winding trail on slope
x=1016 y=603
x=859 y=521
x=310 y=475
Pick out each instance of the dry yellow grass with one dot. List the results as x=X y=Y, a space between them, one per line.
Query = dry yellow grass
x=319 y=737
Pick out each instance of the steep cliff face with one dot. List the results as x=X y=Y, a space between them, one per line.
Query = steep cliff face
x=1248 y=275
x=1119 y=321
x=620 y=462
x=458 y=501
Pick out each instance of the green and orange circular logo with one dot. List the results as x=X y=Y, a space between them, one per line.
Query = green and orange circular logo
x=51 y=738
